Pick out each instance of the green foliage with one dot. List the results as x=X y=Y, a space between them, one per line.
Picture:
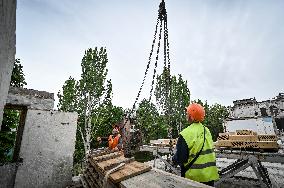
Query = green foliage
x=18 y=76
x=11 y=118
x=214 y=117
x=107 y=115
x=91 y=98
x=172 y=99
x=67 y=100
x=149 y=121
x=8 y=135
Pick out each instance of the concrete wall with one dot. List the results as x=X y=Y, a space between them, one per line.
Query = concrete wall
x=245 y=111
x=47 y=149
x=260 y=125
x=7 y=175
x=257 y=109
x=33 y=99
x=7 y=48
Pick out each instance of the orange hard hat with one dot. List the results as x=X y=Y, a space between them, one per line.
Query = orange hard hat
x=196 y=112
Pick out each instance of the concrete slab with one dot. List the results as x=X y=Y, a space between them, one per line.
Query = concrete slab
x=47 y=149
x=160 y=179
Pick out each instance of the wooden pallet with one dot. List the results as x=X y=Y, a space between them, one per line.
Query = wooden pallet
x=223 y=136
x=99 y=163
x=132 y=169
x=244 y=132
x=238 y=144
x=223 y=143
x=266 y=137
x=251 y=138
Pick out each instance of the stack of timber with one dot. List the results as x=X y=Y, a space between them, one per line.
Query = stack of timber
x=246 y=139
x=107 y=168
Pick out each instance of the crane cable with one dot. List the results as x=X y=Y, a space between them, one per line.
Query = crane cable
x=163 y=26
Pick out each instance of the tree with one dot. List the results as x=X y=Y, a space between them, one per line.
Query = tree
x=149 y=121
x=91 y=98
x=214 y=117
x=68 y=98
x=18 y=76
x=11 y=117
x=172 y=99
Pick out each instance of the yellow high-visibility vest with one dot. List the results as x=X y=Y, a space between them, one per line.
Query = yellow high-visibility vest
x=204 y=168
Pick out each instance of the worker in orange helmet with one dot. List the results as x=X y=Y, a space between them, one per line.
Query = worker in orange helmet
x=194 y=149
x=114 y=140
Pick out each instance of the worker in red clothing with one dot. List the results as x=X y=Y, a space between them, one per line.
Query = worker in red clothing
x=195 y=153
x=114 y=140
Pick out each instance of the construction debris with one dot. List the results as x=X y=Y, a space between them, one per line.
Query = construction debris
x=248 y=178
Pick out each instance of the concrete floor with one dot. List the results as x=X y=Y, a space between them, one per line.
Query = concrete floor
x=246 y=178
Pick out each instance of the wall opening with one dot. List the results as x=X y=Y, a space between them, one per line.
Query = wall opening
x=263 y=112
x=11 y=133
x=280 y=124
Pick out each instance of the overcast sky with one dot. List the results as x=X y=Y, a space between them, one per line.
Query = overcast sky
x=226 y=49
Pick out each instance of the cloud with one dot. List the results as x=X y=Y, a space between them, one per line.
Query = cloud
x=227 y=50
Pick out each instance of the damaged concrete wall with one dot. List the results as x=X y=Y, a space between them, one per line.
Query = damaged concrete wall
x=7 y=48
x=251 y=108
x=47 y=149
x=30 y=98
x=261 y=125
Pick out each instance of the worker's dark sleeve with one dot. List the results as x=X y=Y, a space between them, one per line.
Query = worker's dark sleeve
x=120 y=145
x=181 y=155
x=104 y=139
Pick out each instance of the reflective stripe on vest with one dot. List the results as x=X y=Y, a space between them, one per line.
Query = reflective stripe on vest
x=202 y=153
x=204 y=168
x=205 y=165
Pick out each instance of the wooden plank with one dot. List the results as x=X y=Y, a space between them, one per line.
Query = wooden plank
x=95 y=167
x=223 y=136
x=98 y=179
x=238 y=144
x=118 y=162
x=244 y=144
x=84 y=182
x=251 y=138
x=89 y=167
x=94 y=180
x=268 y=145
x=267 y=137
x=223 y=143
x=92 y=185
x=244 y=132
x=105 y=164
x=130 y=170
x=106 y=157
x=97 y=153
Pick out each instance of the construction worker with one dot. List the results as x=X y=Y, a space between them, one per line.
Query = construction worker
x=114 y=140
x=195 y=153
x=102 y=142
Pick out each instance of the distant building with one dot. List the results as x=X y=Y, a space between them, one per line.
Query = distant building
x=249 y=108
